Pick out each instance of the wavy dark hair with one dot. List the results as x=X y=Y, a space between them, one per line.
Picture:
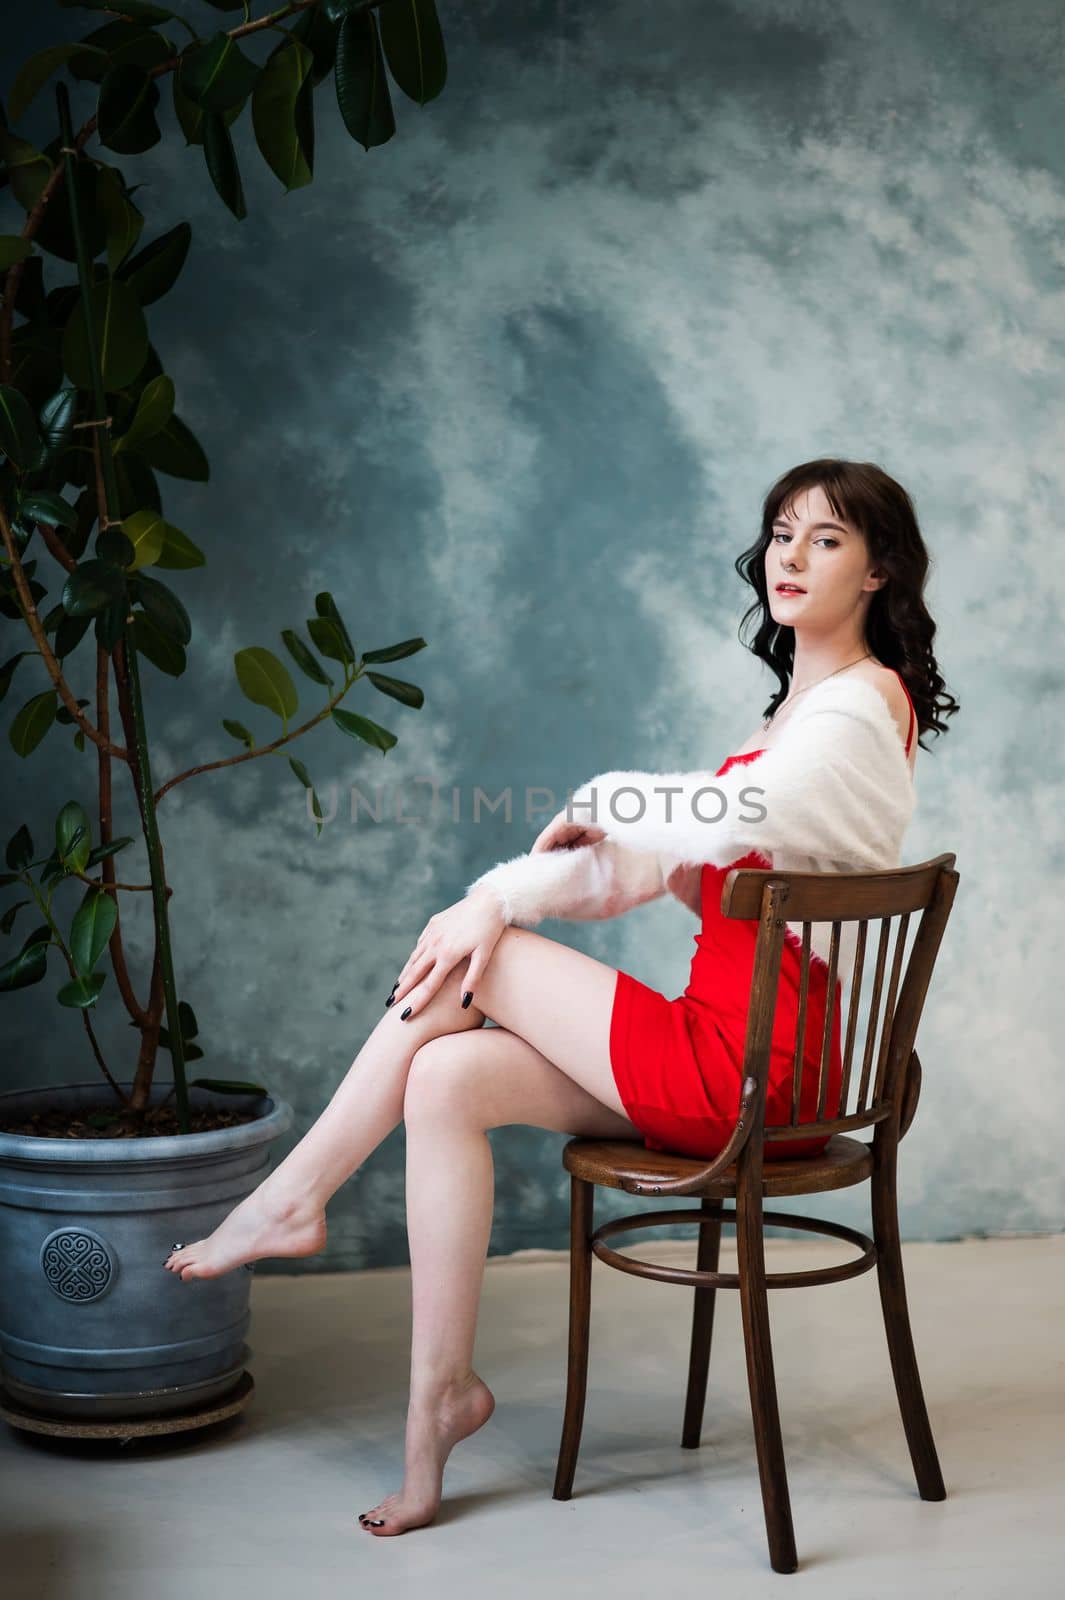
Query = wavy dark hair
x=898 y=628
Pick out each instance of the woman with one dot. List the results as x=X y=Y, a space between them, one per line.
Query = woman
x=579 y=1047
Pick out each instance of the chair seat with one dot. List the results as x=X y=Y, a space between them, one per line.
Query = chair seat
x=617 y=1163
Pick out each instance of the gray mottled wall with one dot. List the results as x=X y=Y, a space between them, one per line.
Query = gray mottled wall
x=518 y=382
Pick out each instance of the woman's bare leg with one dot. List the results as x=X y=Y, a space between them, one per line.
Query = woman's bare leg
x=285 y=1214
x=459 y=1086
x=557 y=998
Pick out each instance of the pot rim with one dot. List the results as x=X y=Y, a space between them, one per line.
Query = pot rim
x=154 y=1147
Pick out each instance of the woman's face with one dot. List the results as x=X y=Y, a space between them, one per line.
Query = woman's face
x=826 y=558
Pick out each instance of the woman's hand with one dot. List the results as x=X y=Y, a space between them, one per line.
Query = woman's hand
x=471 y=927
x=562 y=835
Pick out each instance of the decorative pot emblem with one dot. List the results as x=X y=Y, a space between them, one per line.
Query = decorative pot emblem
x=77 y=1264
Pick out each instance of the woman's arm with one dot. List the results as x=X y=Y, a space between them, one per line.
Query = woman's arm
x=589 y=882
x=833 y=786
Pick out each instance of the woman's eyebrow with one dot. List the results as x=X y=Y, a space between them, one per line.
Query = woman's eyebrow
x=780 y=522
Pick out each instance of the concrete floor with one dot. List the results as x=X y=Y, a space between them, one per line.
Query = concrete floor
x=265 y=1505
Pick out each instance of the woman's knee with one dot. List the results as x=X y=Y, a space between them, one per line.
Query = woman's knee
x=441 y=1078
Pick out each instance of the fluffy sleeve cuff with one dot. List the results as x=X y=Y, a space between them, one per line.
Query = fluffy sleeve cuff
x=586 y=883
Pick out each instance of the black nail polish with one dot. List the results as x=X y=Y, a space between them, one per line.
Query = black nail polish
x=467 y=997
x=405 y=1014
x=395 y=986
x=390 y=999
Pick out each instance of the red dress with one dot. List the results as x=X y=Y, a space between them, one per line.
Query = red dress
x=678 y=1064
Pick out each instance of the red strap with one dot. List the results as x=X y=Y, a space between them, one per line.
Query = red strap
x=913 y=714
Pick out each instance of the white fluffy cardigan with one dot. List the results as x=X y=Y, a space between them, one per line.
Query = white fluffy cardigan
x=834 y=793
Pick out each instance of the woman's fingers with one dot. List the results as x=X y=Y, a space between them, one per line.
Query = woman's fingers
x=412 y=973
x=422 y=991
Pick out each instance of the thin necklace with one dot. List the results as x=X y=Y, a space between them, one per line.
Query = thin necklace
x=813 y=685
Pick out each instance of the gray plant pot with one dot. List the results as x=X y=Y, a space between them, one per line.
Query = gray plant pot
x=90 y=1322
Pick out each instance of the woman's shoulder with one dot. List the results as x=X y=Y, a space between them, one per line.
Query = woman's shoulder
x=887 y=684
x=870 y=694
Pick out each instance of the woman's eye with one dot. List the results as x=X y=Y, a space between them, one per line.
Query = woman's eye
x=825 y=538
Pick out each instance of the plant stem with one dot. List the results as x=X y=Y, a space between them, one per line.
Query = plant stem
x=140 y=764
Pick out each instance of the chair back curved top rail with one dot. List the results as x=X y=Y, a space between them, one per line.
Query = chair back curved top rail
x=880 y=1068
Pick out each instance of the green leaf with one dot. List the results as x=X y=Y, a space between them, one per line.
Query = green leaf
x=146 y=531
x=27 y=168
x=190 y=116
x=154 y=270
x=362 y=728
x=191 y=1052
x=56 y=231
x=33 y=722
x=325 y=606
x=137 y=10
x=176 y=451
x=57 y=420
x=120 y=331
x=222 y=166
x=238 y=731
x=100 y=851
x=318 y=31
x=164 y=608
x=28 y=967
x=398 y=688
x=124 y=220
x=361 y=85
x=414 y=47
x=217 y=74
x=81 y=993
x=7 y=921
x=126 y=114
x=161 y=649
x=125 y=43
x=266 y=681
x=7 y=671
x=73 y=837
x=303 y=658
x=154 y=410
x=19 y=851
x=65 y=716
x=19 y=439
x=114 y=547
x=44 y=505
x=35 y=72
x=327 y=637
x=91 y=928
x=178 y=550
x=273 y=112
x=12 y=249
x=69 y=634
x=396 y=652
x=90 y=587
x=301 y=772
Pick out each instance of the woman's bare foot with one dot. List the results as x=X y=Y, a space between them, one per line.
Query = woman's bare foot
x=433 y=1429
x=259 y=1226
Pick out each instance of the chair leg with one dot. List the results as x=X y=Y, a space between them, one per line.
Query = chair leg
x=897 y=1324
x=582 y=1198
x=754 y=1306
x=702 y=1325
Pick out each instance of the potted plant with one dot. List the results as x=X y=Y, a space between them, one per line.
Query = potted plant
x=99 y=1177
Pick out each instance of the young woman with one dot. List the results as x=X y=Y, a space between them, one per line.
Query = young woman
x=580 y=1048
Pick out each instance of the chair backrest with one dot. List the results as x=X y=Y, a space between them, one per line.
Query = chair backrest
x=878 y=1059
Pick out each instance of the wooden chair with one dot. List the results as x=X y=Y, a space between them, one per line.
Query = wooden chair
x=885 y=1097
